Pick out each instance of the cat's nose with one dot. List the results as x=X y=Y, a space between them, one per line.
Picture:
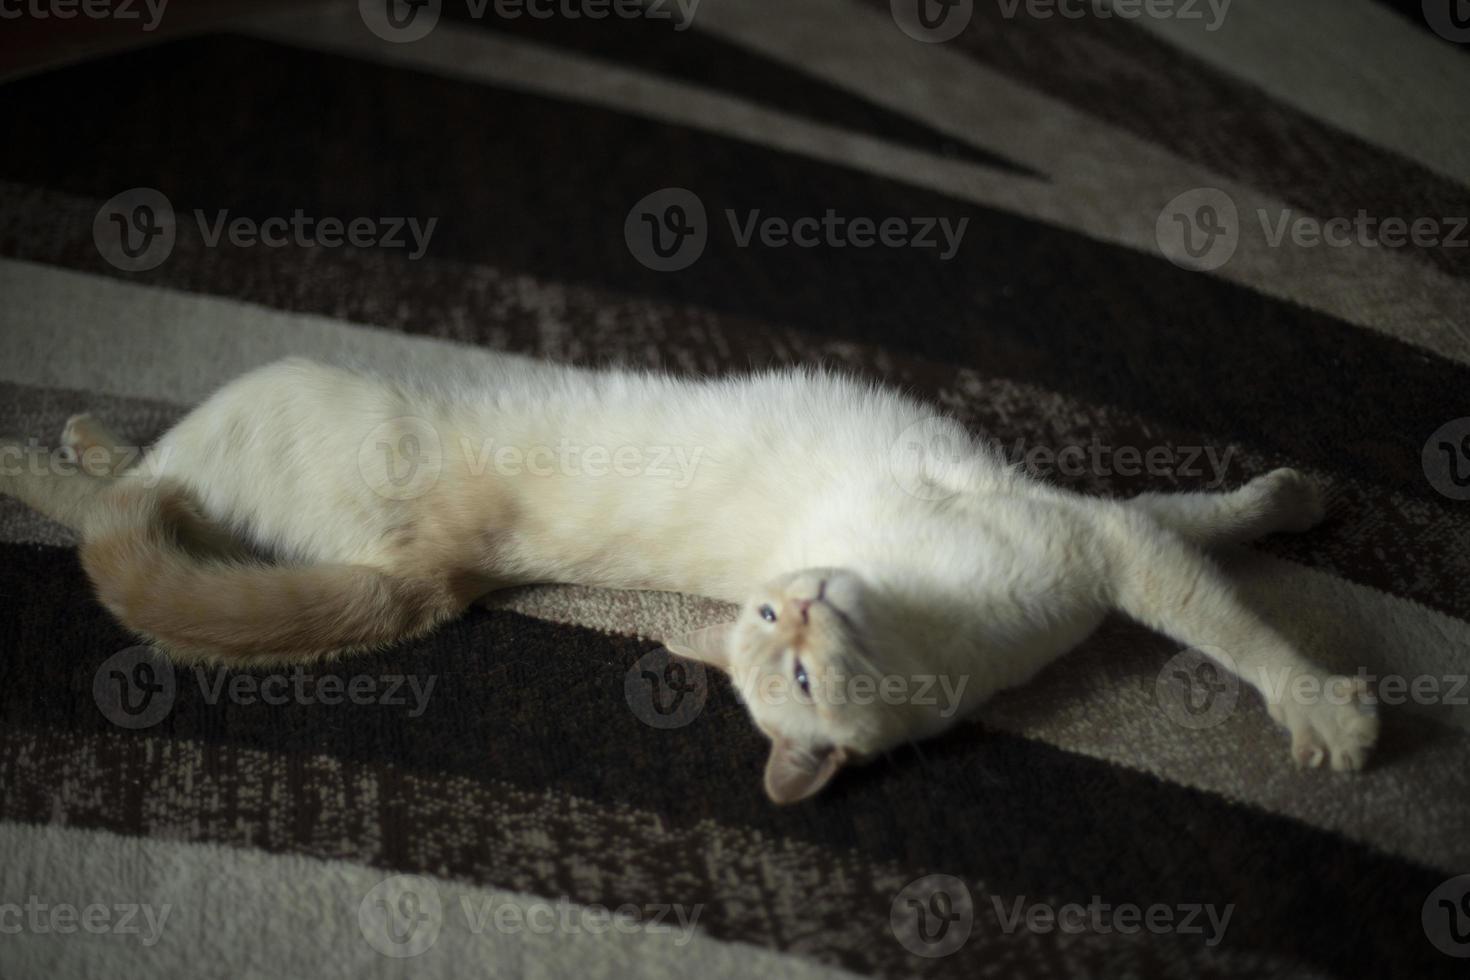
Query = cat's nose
x=802 y=605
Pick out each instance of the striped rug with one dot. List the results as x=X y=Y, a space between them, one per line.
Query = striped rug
x=1088 y=234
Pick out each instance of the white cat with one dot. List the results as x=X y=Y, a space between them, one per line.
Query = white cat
x=876 y=550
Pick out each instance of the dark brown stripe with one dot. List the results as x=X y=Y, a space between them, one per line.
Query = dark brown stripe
x=820 y=904
x=697 y=58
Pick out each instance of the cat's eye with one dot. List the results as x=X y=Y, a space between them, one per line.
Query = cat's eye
x=802 y=681
x=768 y=614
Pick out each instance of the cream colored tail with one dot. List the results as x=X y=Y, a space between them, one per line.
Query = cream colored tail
x=166 y=573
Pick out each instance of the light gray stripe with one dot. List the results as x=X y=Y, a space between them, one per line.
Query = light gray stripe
x=1106 y=183
x=244 y=913
x=1352 y=63
x=64 y=329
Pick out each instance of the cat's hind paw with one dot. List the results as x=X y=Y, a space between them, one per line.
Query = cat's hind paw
x=1292 y=499
x=86 y=440
x=80 y=434
x=1332 y=722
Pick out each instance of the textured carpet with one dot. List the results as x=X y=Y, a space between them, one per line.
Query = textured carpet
x=536 y=790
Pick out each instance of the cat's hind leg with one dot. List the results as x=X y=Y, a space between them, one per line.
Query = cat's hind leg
x=64 y=486
x=60 y=491
x=1166 y=583
x=1282 y=500
x=94 y=446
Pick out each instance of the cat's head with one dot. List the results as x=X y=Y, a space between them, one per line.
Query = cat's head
x=826 y=664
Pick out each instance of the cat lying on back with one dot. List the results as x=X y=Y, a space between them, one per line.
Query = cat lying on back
x=814 y=501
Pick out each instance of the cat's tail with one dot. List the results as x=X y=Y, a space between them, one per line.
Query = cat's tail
x=162 y=570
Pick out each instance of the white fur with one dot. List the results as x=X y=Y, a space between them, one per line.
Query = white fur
x=961 y=568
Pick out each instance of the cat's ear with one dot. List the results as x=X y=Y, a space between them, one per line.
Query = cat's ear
x=710 y=645
x=795 y=772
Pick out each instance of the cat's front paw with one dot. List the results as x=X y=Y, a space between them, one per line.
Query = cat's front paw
x=1293 y=499
x=1332 y=720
